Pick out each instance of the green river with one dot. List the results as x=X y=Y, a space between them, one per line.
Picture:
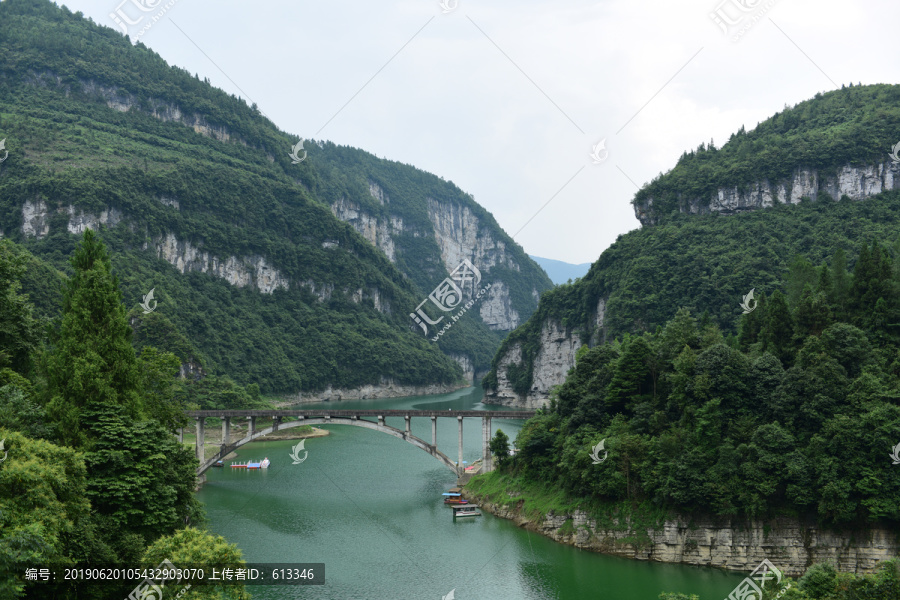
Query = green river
x=369 y=506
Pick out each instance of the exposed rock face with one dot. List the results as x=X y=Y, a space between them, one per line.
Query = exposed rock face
x=554 y=358
x=496 y=309
x=35 y=222
x=466 y=363
x=79 y=221
x=790 y=545
x=459 y=235
x=855 y=182
x=386 y=389
x=164 y=111
x=241 y=272
x=377 y=232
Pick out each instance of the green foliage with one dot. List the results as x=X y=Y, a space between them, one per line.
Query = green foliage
x=798 y=422
x=192 y=547
x=344 y=319
x=18 y=327
x=92 y=363
x=854 y=125
x=500 y=447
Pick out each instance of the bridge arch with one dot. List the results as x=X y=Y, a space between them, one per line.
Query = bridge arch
x=225 y=450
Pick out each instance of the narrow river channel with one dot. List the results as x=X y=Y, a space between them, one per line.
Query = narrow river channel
x=369 y=506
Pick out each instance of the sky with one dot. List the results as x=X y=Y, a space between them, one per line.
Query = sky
x=510 y=99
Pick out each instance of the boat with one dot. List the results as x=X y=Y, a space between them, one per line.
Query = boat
x=253 y=465
x=219 y=463
x=454 y=497
x=465 y=510
x=265 y=463
x=238 y=466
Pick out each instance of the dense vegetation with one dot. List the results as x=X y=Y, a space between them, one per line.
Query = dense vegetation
x=92 y=473
x=237 y=196
x=856 y=125
x=704 y=263
x=797 y=414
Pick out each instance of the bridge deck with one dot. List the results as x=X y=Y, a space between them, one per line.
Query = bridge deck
x=327 y=412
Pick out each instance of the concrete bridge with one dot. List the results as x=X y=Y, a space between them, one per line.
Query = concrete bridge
x=285 y=419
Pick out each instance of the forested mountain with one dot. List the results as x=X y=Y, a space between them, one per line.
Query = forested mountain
x=707 y=262
x=289 y=276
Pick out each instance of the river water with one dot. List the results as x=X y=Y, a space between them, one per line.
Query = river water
x=369 y=506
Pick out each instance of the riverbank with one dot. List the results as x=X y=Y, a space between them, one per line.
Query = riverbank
x=643 y=531
x=386 y=389
x=212 y=438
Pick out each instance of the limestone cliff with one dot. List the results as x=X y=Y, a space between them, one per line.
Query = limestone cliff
x=789 y=543
x=855 y=182
x=554 y=357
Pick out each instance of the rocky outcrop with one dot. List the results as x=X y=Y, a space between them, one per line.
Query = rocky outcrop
x=386 y=389
x=554 y=357
x=788 y=543
x=377 y=232
x=855 y=182
x=496 y=308
x=35 y=221
x=238 y=271
x=79 y=221
x=123 y=101
x=466 y=363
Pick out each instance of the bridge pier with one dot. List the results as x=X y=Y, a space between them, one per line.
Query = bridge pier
x=487 y=463
x=460 y=470
x=381 y=420
x=226 y=431
x=201 y=431
x=252 y=425
x=275 y=423
x=406 y=418
x=434 y=432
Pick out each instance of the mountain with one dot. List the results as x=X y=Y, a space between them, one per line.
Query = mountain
x=559 y=271
x=300 y=277
x=694 y=251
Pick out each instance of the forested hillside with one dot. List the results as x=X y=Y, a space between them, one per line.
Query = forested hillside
x=197 y=195
x=828 y=136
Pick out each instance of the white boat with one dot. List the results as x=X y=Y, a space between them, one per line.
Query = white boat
x=465 y=510
x=264 y=464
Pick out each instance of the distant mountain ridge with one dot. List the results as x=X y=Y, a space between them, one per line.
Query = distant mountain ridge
x=299 y=277
x=559 y=271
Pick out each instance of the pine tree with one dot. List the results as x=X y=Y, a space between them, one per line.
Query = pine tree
x=777 y=334
x=92 y=364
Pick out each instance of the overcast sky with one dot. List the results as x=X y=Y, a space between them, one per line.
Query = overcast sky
x=507 y=99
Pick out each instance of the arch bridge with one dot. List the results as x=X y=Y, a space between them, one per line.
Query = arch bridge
x=286 y=419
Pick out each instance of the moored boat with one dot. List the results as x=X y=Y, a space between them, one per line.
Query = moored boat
x=265 y=463
x=465 y=510
x=454 y=497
